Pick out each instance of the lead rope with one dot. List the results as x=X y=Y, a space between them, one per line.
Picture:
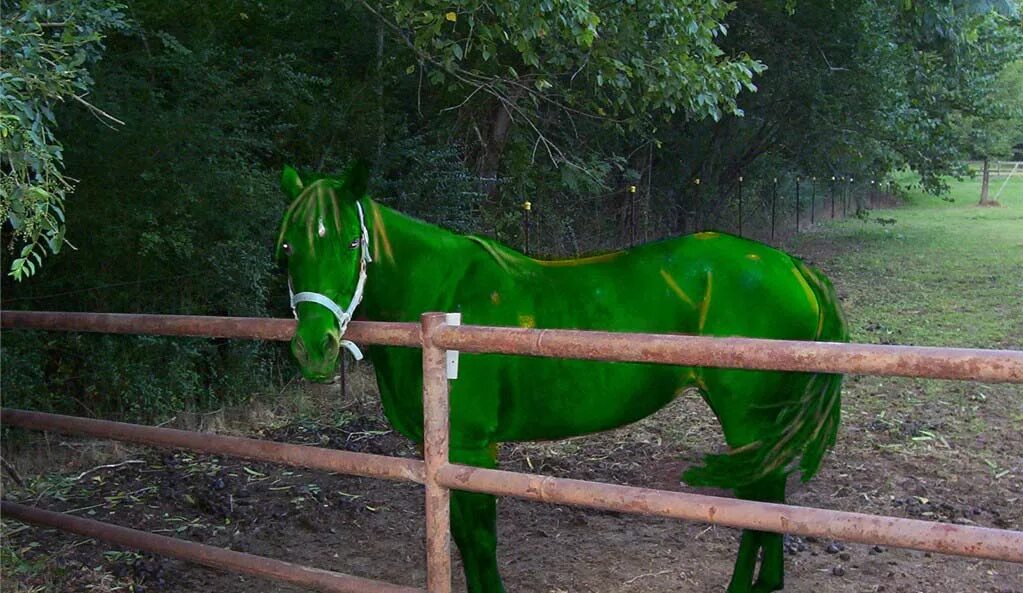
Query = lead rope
x=344 y=316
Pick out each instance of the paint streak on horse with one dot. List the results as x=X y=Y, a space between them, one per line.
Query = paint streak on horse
x=676 y=288
x=380 y=235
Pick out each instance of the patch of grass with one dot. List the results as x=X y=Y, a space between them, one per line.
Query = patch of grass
x=944 y=274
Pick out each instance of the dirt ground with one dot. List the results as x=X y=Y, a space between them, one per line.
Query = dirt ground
x=375 y=529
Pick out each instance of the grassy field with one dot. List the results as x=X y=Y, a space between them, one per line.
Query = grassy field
x=945 y=273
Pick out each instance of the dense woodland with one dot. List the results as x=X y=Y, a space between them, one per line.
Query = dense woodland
x=142 y=143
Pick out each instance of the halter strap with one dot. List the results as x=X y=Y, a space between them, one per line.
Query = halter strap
x=343 y=316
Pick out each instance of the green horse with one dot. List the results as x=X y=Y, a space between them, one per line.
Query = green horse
x=343 y=248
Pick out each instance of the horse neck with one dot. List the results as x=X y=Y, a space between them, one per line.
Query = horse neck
x=411 y=262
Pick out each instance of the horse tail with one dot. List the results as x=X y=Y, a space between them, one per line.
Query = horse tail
x=805 y=427
x=833 y=328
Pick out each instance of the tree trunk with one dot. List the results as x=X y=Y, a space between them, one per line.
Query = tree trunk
x=984 y=182
x=497 y=138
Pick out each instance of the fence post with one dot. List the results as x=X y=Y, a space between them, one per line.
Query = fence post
x=797 y=204
x=740 y=205
x=435 y=455
x=845 y=202
x=813 y=198
x=527 y=206
x=832 y=190
x=633 y=224
x=701 y=214
x=774 y=202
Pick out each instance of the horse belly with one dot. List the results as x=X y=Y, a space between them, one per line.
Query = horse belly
x=551 y=399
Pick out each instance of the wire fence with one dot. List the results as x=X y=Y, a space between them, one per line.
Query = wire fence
x=770 y=210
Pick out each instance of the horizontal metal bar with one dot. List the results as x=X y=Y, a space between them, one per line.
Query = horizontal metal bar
x=995 y=366
x=346 y=462
x=246 y=328
x=750 y=353
x=944 y=538
x=277 y=570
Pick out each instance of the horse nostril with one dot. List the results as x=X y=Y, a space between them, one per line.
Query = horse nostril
x=298 y=349
x=330 y=343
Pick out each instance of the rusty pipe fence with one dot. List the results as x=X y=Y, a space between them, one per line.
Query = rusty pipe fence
x=435 y=338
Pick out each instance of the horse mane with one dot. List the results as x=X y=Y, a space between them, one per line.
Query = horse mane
x=317 y=202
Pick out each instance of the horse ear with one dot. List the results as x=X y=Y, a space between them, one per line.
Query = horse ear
x=357 y=178
x=291 y=183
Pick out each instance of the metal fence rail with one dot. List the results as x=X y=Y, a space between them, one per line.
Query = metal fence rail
x=212 y=556
x=994 y=366
x=438 y=475
x=304 y=456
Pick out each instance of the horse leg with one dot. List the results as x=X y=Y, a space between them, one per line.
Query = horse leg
x=474 y=527
x=745 y=562
x=772 y=565
x=772 y=569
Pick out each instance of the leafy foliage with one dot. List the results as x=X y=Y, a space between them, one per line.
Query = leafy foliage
x=46 y=49
x=620 y=59
x=465 y=110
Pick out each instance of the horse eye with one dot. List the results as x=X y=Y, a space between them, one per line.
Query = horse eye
x=355 y=243
x=287 y=249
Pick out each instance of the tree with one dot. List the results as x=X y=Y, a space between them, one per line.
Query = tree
x=46 y=49
x=505 y=64
x=994 y=127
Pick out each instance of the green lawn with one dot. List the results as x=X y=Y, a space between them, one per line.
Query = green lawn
x=944 y=274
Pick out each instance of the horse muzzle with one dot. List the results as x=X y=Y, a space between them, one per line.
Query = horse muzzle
x=317 y=358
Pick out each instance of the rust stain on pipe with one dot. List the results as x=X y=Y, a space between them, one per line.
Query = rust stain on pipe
x=944 y=538
x=246 y=328
x=269 y=568
x=347 y=462
x=747 y=353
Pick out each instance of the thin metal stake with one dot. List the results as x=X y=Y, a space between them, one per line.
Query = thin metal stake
x=774 y=202
x=797 y=203
x=528 y=207
x=832 y=197
x=740 y=205
x=813 y=198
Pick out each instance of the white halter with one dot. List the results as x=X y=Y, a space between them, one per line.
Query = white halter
x=343 y=315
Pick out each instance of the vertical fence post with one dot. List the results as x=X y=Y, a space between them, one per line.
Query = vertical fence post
x=813 y=198
x=701 y=214
x=740 y=205
x=845 y=204
x=527 y=206
x=435 y=455
x=633 y=223
x=797 y=204
x=832 y=191
x=774 y=203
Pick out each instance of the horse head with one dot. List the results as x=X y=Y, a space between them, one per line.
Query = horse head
x=324 y=241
